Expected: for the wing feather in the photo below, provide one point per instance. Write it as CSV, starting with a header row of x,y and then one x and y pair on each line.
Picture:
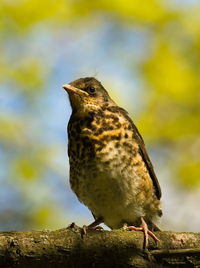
x,y
144,154
147,161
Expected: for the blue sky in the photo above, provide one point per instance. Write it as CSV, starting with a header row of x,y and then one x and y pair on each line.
x,y
66,54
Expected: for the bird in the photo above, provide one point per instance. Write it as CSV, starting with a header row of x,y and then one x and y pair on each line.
x,y
110,170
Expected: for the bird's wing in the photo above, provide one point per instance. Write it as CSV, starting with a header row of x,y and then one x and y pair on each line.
x,y
146,159
143,153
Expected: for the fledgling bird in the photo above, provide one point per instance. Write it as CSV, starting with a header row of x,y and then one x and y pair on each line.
x,y
110,170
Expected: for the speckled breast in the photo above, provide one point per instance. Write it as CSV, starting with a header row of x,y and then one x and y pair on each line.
x,y
104,159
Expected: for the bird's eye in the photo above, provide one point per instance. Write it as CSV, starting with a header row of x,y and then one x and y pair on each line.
x,y
91,90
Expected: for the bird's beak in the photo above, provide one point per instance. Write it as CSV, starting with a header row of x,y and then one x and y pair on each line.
x,y
74,90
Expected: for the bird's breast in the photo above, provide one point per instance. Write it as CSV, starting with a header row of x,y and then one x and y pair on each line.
x,y
100,133
107,172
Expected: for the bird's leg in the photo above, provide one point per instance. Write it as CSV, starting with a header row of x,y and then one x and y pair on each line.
x,y
94,225
144,228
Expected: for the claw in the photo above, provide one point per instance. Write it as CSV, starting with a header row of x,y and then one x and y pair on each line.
x,y
97,228
92,226
146,231
85,228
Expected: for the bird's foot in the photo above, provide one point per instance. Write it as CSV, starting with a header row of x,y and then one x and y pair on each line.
x,y
93,226
85,228
144,228
98,227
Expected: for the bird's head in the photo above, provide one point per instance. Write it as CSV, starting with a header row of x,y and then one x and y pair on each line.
x,y
87,94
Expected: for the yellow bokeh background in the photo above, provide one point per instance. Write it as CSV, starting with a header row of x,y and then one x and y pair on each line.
x,y
147,55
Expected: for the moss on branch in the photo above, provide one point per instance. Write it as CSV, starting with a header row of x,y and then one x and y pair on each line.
x,y
69,248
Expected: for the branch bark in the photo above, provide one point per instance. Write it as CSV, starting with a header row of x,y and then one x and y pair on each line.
x,y
69,248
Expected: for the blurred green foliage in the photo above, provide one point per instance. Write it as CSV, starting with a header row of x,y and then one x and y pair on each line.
x,y
169,72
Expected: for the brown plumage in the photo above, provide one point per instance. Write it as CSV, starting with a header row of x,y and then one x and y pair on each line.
x,y
110,170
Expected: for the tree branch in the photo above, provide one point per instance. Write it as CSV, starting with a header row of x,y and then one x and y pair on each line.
x,y
68,247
